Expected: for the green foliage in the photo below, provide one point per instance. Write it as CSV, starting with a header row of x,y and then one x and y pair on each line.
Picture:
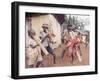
x,y
73,20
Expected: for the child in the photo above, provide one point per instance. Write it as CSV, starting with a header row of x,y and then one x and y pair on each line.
x,y
33,51
73,47
45,37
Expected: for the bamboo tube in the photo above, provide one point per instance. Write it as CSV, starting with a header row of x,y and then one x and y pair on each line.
x,y
41,46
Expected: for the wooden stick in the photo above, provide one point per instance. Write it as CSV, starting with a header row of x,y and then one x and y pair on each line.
x,y
41,46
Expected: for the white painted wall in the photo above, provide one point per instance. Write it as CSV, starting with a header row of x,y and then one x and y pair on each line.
x,y
37,23
5,40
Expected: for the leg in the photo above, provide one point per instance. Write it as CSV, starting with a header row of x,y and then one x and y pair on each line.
x,y
39,63
39,58
51,51
63,53
54,58
70,54
73,55
78,54
79,50
72,59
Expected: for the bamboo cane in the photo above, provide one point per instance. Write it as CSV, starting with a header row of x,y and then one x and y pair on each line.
x,y
41,46
78,55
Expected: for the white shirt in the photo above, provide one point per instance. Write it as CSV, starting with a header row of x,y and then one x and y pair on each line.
x,y
42,36
30,41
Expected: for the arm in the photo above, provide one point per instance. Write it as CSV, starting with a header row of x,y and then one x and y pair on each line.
x,y
44,38
33,46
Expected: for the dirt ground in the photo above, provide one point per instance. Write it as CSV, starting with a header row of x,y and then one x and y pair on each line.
x,y
48,60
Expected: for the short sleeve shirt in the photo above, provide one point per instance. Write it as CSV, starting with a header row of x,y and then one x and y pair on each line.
x,y
42,36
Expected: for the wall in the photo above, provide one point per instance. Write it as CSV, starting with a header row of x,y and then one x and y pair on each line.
x,y
5,40
37,23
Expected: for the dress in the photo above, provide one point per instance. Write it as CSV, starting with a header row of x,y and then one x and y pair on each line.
x,y
33,52
72,44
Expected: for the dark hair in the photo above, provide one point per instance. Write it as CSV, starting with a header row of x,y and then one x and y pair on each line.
x,y
30,33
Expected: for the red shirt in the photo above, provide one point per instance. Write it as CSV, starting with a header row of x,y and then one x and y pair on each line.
x,y
74,41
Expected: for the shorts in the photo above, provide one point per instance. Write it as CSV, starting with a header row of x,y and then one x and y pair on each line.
x,y
50,50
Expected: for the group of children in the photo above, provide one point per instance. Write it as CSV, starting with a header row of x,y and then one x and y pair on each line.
x,y
38,45
72,40
44,44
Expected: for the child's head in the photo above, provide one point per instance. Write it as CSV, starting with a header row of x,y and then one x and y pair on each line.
x,y
31,33
45,27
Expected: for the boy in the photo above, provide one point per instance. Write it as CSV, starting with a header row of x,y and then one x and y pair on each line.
x,y
33,51
45,37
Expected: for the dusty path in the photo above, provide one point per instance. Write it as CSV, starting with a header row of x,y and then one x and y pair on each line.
x,y
66,61
48,61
